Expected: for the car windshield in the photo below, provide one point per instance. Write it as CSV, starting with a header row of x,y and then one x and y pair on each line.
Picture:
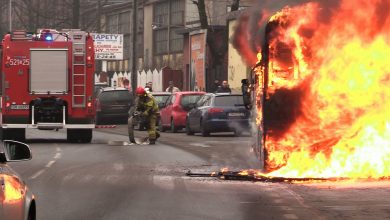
x,y
188,99
229,100
116,95
161,98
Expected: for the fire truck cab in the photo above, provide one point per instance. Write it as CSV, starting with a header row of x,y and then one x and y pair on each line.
x,y
47,83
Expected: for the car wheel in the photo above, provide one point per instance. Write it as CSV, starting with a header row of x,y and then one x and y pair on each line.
x,y
98,119
237,133
203,130
32,212
161,127
173,127
188,129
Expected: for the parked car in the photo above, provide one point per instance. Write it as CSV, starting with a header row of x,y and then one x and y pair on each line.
x,y
174,111
98,87
16,200
113,103
220,112
161,98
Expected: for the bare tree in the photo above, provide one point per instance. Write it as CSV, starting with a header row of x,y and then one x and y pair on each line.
x,y
218,51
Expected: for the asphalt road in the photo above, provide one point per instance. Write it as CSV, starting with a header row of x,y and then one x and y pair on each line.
x,y
109,180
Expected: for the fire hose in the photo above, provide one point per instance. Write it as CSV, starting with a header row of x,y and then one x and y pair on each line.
x,y
134,116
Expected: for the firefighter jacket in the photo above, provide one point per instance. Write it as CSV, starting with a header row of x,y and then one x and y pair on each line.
x,y
147,105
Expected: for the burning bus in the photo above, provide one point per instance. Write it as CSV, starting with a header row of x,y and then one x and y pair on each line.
x,y
320,91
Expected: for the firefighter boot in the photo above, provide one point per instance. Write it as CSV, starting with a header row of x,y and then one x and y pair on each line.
x,y
152,141
157,135
132,140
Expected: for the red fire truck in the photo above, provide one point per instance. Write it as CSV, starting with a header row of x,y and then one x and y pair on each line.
x,y
47,83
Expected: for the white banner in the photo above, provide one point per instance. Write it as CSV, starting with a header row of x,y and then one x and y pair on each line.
x,y
108,46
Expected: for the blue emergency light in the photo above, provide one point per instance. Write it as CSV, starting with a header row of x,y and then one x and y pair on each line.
x,y
48,37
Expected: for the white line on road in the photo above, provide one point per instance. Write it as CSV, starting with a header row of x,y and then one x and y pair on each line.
x,y
50,163
37,174
278,201
200,145
290,216
58,155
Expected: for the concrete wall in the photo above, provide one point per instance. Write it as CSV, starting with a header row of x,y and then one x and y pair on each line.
x,y
237,69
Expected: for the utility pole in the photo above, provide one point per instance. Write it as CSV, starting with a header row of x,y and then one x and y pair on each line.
x,y
134,73
10,16
76,14
99,13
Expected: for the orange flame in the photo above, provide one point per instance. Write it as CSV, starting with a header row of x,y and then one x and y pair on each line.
x,y
13,190
339,70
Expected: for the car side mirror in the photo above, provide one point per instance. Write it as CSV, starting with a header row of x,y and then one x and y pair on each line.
x,y
246,93
16,151
161,105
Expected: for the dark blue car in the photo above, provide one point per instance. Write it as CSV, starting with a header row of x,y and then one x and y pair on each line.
x,y
220,112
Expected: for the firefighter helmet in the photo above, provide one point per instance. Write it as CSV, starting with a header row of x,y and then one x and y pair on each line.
x,y
140,91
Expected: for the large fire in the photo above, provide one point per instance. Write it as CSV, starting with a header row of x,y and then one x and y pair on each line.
x,y
332,65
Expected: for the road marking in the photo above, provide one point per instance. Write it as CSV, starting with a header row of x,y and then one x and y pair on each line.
x,y
200,145
301,202
37,174
164,182
290,216
50,163
286,208
118,166
278,200
58,155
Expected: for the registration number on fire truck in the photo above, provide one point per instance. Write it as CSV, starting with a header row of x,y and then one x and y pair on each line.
x,y
19,61
17,107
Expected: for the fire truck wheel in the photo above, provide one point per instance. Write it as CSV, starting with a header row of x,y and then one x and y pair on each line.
x,y
17,134
79,135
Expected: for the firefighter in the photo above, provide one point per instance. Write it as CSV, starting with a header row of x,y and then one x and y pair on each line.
x,y
147,107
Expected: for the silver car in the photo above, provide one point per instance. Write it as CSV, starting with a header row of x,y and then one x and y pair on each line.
x,y
16,200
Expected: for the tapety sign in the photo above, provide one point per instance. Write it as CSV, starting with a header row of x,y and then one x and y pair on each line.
x,y
108,46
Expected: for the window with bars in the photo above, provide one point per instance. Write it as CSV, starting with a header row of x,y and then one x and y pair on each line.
x,y
124,23
176,42
177,12
112,24
161,41
160,12
140,45
126,46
